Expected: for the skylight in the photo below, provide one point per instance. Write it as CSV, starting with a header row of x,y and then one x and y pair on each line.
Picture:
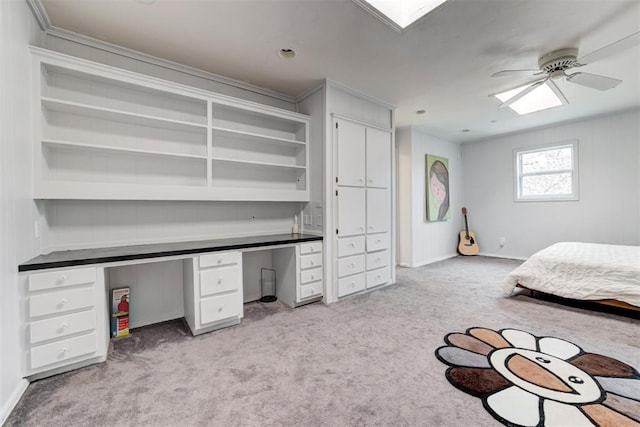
x,y
399,14
543,97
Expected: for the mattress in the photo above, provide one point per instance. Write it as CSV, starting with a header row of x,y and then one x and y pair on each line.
x,y
583,271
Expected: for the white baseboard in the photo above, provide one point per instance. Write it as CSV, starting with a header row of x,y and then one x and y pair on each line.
x,y
503,256
13,400
432,260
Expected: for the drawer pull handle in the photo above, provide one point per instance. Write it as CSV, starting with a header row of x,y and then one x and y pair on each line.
x,y
62,279
378,260
63,326
353,284
360,180
361,228
219,260
378,276
219,279
220,309
352,265
63,301
312,276
378,241
311,262
353,245
65,351
371,227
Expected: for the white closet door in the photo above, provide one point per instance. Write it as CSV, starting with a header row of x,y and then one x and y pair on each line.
x,y
351,154
351,211
378,210
378,158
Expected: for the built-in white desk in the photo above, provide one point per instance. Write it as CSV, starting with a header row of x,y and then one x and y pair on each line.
x,y
65,318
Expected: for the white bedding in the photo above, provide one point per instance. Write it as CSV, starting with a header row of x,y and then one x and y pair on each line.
x,y
586,271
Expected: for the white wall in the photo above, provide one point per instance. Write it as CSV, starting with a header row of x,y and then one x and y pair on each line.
x,y
18,212
609,207
420,241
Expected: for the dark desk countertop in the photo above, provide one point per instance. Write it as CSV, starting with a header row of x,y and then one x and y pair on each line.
x,y
128,253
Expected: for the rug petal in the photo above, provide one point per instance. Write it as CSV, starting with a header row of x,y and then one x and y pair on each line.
x,y
455,356
515,406
477,381
629,407
607,417
627,387
559,348
468,343
489,336
561,414
520,339
597,364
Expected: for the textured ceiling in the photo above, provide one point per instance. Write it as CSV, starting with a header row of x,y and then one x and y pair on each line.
x,y
441,64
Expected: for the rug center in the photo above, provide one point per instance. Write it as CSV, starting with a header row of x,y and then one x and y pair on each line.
x,y
545,375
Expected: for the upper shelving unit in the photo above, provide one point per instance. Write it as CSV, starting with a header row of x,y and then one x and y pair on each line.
x,y
107,133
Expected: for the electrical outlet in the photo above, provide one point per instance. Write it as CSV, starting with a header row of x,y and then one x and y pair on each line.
x,y
503,240
319,204
307,219
319,220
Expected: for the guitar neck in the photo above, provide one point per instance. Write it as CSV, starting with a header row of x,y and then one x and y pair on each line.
x,y
466,227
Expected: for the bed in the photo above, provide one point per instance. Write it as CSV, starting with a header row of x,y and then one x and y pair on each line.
x,y
582,271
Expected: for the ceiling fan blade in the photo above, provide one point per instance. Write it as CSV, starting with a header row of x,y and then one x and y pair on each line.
x,y
611,49
555,89
512,72
523,93
593,81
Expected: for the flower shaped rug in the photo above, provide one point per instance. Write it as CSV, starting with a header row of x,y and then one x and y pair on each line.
x,y
524,380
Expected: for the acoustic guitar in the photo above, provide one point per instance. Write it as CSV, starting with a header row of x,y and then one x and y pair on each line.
x,y
468,244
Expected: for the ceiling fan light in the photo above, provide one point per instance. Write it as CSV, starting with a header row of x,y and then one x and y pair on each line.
x,y
541,98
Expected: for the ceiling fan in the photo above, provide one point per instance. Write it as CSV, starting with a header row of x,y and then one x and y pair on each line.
x,y
554,65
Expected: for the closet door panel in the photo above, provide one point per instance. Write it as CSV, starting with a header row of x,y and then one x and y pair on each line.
x,y
351,154
351,211
378,210
378,158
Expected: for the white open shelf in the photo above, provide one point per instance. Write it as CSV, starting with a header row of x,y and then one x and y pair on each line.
x,y
106,133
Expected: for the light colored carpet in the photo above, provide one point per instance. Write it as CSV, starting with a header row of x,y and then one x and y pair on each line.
x,y
365,361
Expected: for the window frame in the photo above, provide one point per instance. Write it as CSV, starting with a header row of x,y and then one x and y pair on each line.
x,y
518,175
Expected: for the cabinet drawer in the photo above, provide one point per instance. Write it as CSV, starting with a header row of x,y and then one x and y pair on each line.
x,y
378,259
311,275
62,326
220,307
217,280
61,301
350,285
377,242
310,247
310,261
218,259
350,246
378,277
59,351
311,290
351,265
59,279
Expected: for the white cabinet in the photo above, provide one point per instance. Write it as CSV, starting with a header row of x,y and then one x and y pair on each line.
x,y
363,199
66,319
213,291
300,273
105,133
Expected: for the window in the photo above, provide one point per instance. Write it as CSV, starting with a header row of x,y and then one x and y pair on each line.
x,y
547,173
